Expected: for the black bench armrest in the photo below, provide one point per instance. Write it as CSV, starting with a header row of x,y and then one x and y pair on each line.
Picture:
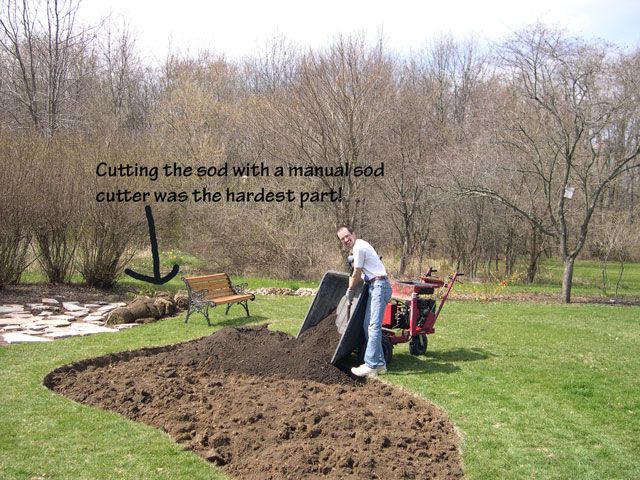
x,y
239,288
198,296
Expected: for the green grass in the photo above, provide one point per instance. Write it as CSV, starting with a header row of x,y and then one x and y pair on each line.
x,y
43,435
586,281
536,390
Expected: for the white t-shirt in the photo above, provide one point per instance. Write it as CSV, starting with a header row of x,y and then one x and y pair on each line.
x,y
366,258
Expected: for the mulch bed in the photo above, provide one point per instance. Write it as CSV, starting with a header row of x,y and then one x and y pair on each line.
x,y
263,405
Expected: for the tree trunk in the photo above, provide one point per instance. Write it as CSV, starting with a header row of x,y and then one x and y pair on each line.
x,y
534,256
567,278
403,264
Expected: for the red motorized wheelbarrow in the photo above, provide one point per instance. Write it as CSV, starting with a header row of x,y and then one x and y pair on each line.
x,y
410,316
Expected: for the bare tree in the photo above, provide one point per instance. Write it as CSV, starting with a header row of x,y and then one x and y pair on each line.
x,y
571,131
40,41
332,113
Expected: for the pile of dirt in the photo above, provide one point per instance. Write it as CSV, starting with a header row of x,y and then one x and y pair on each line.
x,y
262,405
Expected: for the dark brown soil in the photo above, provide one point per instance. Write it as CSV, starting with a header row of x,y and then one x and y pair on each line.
x,y
262,405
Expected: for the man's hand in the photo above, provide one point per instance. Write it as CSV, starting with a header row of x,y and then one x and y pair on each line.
x,y
350,295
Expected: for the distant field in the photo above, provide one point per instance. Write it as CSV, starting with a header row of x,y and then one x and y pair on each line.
x,y
586,281
587,278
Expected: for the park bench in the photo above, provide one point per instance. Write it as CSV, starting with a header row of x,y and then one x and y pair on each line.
x,y
211,290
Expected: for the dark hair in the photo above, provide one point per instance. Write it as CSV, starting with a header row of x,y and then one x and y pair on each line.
x,y
344,225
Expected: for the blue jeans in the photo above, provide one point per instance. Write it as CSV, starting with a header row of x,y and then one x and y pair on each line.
x,y
379,296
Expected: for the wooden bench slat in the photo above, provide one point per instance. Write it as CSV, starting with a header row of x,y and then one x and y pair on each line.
x,y
211,288
233,298
213,276
211,283
214,295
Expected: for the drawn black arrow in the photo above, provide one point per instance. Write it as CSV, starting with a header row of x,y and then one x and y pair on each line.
x,y
156,279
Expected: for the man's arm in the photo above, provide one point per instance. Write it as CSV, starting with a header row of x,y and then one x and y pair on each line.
x,y
355,277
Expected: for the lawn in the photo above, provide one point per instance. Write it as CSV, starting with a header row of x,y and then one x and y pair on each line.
x,y
587,278
537,391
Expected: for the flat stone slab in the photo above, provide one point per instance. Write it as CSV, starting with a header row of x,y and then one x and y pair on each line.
x,y
34,332
107,308
19,337
67,318
14,321
72,306
54,323
88,328
35,327
11,309
12,328
19,315
50,301
91,306
61,334
124,326
94,318
79,313
50,308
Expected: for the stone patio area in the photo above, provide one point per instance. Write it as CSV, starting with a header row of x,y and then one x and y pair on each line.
x,y
52,319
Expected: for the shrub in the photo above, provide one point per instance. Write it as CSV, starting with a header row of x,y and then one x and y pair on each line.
x,y
15,206
107,244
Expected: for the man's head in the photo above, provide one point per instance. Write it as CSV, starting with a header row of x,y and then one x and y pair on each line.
x,y
346,235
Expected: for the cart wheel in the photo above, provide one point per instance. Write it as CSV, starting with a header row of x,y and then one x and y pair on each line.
x,y
387,350
418,344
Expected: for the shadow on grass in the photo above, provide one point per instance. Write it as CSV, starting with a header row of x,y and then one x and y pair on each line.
x,y
437,361
460,355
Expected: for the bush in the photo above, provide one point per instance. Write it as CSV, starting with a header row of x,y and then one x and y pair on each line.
x,y
60,177
16,162
109,239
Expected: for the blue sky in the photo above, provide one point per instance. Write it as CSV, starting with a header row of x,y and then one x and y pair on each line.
x,y
242,27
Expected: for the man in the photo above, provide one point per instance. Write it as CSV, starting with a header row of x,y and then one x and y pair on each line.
x,y
368,266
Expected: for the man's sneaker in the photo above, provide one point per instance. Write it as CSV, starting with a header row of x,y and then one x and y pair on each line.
x,y
365,371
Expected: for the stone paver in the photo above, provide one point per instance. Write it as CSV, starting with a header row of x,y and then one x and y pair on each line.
x,y
5,309
51,322
52,319
125,326
13,321
72,306
19,337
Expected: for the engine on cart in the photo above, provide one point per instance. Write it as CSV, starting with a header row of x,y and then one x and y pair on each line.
x,y
411,313
401,312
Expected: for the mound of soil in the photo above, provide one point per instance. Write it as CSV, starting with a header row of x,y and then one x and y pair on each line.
x,y
263,405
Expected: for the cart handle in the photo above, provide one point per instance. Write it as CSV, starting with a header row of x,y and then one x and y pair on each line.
x,y
448,286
